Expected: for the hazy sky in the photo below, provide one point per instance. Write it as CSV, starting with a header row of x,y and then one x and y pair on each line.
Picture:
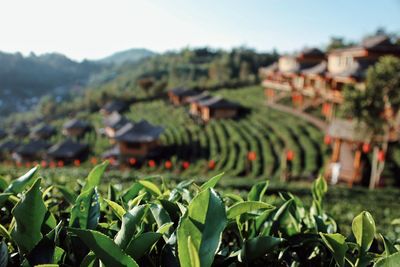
x,y
96,28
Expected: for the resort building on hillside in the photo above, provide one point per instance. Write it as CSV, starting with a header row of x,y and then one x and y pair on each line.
x,y
317,79
20,131
44,131
7,148
193,101
136,140
68,151
3,134
114,106
113,122
31,151
179,96
217,108
76,128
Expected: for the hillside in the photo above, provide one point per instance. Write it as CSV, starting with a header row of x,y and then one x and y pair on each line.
x,y
127,56
24,79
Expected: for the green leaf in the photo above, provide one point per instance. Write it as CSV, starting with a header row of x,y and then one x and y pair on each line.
x,y
3,184
29,215
363,227
389,247
104,248
4,233
194,256
94,176
165,228
88,261
116,208
257,191
132,192
68,195
211,182
336,243
18,185
151,187
130,222
85,213
257,247
204,222
3,254
246,206
390,261
140,245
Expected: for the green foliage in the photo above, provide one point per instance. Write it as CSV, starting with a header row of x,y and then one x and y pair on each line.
x,y
190,225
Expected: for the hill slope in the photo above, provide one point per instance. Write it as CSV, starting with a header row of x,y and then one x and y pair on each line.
x,y
131,55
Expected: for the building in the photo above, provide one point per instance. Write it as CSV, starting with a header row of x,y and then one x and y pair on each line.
x,y
7,148
3,134
312,78
118,106
31,151
346,163
113,122
68,151
217,108
139,140
20,131
43,131
179,96
193,101
76,128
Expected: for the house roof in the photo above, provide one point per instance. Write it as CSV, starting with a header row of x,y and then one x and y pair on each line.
x,y
67,149
311,52
3,134
43,130
376,43
33,147
112,152
115,105
20,130
139,132
8,146
319,69
75,123
270,68
199,97
357,70
218,102
184,92
115,120
349,130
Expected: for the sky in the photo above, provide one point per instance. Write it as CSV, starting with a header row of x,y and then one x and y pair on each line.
x,y
93,29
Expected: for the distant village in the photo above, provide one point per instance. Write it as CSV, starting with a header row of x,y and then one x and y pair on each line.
x,y
311,78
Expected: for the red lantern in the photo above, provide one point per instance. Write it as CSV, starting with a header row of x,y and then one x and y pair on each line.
x,y
28,164
381,156
251,156
289,155
19,164
132,161
211,164
44,164
60,163
366,147
185,164
77,162
327,140
168,164
93,160
152,163
52,164
112,161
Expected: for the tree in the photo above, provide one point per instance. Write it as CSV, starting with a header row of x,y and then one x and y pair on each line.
x,y
338,42
377,105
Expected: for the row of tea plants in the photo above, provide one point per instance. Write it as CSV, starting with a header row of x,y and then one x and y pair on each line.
x,y
150,224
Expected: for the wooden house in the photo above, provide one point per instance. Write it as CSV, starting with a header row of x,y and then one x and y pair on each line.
x,y
218,108
179,96
43,131
138,140
76,128
20,131
193,101
68,151
346,162
3,134
7,148
114,122
118,106
31,151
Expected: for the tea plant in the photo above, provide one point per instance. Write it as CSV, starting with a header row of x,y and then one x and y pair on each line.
x,y
147,224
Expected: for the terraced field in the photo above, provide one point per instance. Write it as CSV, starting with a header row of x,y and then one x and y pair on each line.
x,y
223,145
